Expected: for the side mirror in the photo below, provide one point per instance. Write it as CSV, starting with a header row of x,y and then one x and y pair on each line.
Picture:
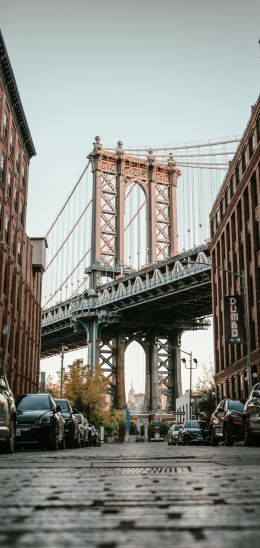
x,y
58,408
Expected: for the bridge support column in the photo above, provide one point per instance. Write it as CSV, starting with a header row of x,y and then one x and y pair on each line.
x,y
120,399
174,368
152,395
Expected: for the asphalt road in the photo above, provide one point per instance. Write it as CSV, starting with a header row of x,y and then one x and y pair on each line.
x,y
131,495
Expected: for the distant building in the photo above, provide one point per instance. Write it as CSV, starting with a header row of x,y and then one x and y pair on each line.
x,y
235,247
135,402
21,258
183,405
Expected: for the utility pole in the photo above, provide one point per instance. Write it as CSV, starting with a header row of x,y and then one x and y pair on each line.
x,y
190,367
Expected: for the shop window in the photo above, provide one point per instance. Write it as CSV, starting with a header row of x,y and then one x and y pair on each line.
x,y
21,213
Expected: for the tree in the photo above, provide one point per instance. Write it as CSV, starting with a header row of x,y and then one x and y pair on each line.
x,y
85,390
206,405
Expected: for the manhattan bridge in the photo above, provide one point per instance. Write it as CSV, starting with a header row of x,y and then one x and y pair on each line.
x,y
128,260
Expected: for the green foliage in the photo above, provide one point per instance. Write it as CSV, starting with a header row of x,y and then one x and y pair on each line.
x,y
164,427
206,405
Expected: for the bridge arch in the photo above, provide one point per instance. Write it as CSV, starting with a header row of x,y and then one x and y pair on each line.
x,y
135,368
135,225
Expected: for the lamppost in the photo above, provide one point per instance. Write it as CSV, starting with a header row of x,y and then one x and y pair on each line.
x,y
243,278
190,367
63,348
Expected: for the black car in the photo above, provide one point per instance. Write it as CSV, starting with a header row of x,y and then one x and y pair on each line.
x,y
252,417
193,432
39,422
226,423
72,431
7,415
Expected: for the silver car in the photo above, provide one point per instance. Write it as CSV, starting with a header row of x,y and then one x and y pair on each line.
x,y
252,416
83,428
172,434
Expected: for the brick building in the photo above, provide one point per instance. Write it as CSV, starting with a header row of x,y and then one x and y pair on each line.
x,y
21,258
235,246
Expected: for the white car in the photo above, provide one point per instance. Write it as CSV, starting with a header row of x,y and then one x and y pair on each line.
x,y
172,434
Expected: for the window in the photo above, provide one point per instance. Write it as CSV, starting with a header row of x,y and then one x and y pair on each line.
x,y
15,200
23,180
19,253
251,144
9,185
17,161
258,128
1,216
5,126
7,228
231,186
14,243
226,199
237,174
12,143
244,159
21,213
2,168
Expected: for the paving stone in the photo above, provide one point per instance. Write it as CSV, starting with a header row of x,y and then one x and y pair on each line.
x,y
131,495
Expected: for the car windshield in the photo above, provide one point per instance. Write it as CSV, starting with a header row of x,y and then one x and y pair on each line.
x,y
33,402
63,405
235,405
176,428
79,418
195,424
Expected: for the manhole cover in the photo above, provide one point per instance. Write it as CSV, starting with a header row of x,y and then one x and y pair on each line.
x,y
140,470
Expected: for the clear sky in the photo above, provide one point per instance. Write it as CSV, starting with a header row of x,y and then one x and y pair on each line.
x,y
145,72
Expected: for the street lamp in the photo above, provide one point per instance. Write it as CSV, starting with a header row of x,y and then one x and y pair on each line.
x,y
63,348
243,277
190,367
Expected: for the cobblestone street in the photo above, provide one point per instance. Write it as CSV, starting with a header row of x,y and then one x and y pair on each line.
x,y
131,495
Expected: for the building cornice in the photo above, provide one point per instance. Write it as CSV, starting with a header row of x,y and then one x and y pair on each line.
x,y
15,100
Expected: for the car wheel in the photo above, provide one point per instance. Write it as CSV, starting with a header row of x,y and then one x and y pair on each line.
x,y
63,444
213,440
54,445
227,439
8,447
248,438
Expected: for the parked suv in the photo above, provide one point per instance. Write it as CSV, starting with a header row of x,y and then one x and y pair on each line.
x,y
226,423
252,416
72,432
7,415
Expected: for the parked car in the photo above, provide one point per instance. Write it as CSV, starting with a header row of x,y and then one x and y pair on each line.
x,y
193,432
83,428
252,417
226,423
39,422
7,415
172,434
72,432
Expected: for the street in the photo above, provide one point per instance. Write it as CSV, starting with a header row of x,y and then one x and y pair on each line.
x,y
131,495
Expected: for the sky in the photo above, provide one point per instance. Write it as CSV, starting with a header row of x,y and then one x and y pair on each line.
x,y
144,72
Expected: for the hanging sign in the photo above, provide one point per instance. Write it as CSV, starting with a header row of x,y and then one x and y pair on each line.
x,y
234,319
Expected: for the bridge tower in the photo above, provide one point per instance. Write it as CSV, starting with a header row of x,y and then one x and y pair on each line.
x,y
113,172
